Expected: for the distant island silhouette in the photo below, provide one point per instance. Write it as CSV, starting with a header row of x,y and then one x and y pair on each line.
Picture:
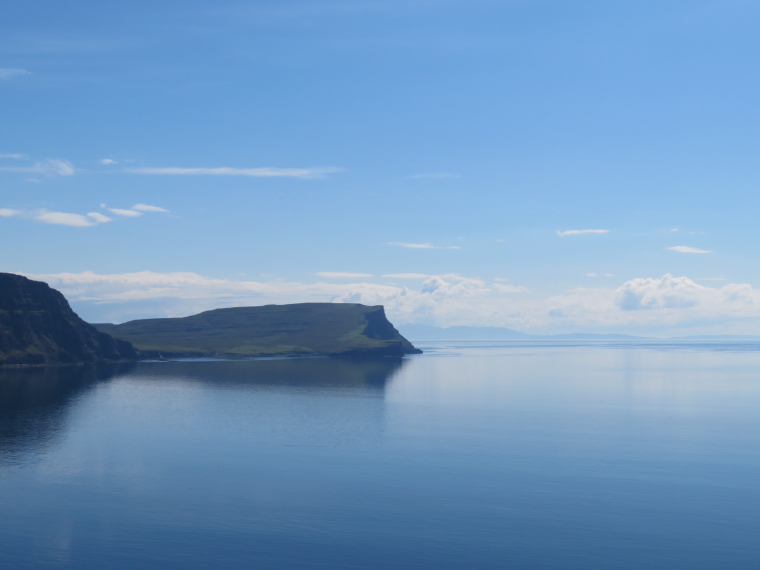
x,y
345,330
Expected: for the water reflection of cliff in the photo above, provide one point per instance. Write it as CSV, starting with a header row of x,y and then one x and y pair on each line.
x,y
314,373
273,404
35,403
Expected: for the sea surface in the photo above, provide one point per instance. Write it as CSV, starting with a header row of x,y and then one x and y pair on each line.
x,y
473,455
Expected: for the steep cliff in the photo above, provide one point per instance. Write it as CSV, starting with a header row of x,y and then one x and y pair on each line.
x,y
304,329
37,326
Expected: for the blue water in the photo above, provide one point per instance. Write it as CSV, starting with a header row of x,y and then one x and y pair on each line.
x,y
472,455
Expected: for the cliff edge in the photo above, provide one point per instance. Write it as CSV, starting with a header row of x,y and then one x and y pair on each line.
x,y
38,327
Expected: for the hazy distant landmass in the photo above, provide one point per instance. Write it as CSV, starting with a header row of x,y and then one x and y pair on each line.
x,y
38,327
427,332
593,336
725,337
303,329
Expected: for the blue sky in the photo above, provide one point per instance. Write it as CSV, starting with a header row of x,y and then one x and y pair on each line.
x,y
443,158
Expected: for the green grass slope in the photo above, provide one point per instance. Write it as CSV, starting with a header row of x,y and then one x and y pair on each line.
x,y
304,329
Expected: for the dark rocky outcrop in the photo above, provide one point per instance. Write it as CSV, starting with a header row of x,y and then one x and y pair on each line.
x,y
346,330
38,327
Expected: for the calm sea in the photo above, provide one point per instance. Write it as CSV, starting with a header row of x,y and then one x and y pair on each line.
x,y
470,456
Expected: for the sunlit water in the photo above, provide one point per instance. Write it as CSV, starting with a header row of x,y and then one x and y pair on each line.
x,y
490,455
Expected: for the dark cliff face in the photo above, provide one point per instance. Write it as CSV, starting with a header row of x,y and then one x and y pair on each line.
x,y
37,326
380,328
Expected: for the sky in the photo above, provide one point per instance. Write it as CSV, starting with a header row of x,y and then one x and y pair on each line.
x,y
550,166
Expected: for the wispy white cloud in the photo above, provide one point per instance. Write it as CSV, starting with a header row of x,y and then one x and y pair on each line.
x,y
55,167
48,167
107,161
69,219
73,219
436,175
342,275
188,289
580,232
406,275
422,245
8,72
711,279
125,213
591,275
99,218
226,171
14,156
148,208
687,249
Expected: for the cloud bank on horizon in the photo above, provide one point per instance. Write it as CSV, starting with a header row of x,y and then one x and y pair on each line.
x,y
663,304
